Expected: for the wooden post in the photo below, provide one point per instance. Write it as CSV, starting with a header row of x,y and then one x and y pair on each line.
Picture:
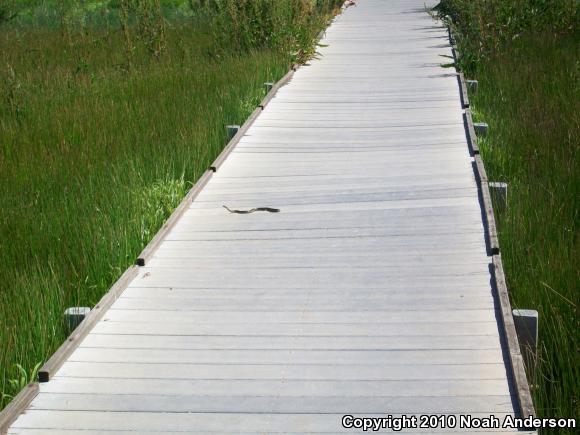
x,y
472,85
464,94
480,128
74,316
526,323
499,192
232,130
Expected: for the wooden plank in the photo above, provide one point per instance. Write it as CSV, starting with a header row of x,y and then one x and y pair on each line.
x,y
250,187
466,202
320,181
301,278
337,215
274,404
188,300
355,124
334,260
375,304
379,193
279,387
305,372
483,318
395,155
303,170
283,294
309,222
318,233
355,132
370,138
247,328
294,357
51,366
208,342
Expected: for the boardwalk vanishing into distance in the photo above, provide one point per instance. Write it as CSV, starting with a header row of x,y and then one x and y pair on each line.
x,y
370,291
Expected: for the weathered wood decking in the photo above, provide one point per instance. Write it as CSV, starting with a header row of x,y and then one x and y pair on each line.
x,y
369,293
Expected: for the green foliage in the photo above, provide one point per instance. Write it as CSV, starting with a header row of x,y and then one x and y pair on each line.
x,y
157,202
7,10
103,128
23,378
281,24
484,26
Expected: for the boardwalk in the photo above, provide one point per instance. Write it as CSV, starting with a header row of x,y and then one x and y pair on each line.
x,y
368,293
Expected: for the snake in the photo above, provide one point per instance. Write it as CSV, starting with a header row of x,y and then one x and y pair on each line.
x,y
252,210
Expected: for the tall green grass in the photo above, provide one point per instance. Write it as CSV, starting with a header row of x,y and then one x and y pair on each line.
x,y
534,116
102,131
485,27
525,56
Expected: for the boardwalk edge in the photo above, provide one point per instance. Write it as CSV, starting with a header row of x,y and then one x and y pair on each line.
x,y
17,406
516,361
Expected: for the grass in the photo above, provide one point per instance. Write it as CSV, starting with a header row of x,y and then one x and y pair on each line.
x,y
534,119
102,131
523,53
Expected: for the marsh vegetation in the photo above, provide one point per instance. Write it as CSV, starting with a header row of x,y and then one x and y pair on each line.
x,y
109,112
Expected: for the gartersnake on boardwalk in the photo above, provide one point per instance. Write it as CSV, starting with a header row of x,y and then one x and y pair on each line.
x,y
268,209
